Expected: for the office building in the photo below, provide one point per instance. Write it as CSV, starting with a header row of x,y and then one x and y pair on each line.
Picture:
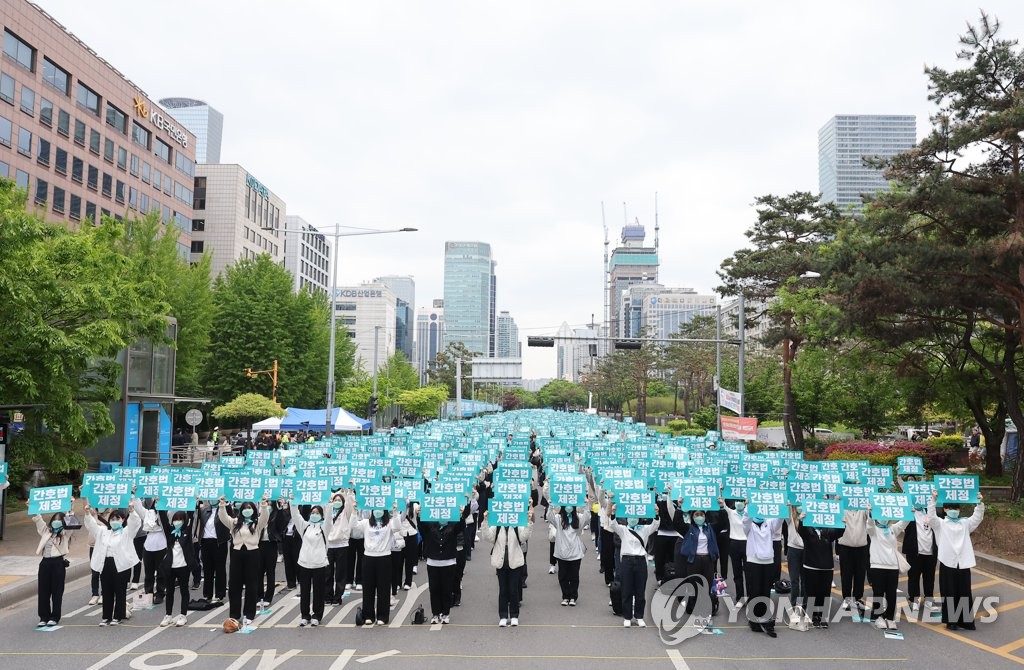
x,y
237,217
630,263
81,138
507,339
756,325
203,121
652,310
429,336
469,296
575,357
368,311
307,255
404,288
843,144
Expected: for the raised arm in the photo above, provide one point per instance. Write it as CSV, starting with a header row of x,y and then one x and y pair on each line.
x,y
134,520
979,514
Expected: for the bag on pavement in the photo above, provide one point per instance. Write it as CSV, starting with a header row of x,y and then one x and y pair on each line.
x,y
798,620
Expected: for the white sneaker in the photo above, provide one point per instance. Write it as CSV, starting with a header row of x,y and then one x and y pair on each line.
x,y
641,623
381,623
933,606
305,622
565,602
41,624
846,603
514,621
880,624
115,622
180,620
891,625
741,602
626,623
246,621
167,621
445,619
406,587
103,623
51,622
415,569
348,587
95,600
915,606
502,623
133,586
478,536
314,622
435,620
572,603
359,587
551,570
368,623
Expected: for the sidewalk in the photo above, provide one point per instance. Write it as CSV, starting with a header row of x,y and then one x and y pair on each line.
x,y
19,563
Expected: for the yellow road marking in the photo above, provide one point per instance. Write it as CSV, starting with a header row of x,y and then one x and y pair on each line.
x,y
1013,646
991,582
1011,606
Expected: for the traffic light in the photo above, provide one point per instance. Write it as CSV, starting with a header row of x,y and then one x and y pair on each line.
x,y
628,344
373,405
534,341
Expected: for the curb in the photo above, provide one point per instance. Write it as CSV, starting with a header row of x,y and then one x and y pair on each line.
x,y
28,588
1000,567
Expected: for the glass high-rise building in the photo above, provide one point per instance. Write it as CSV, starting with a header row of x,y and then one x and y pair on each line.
x,y
429,336
469,293
843,144
205,122
508,345
404,289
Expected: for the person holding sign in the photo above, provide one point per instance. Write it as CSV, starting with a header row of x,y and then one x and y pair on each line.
x,y
737,547
853,557
884,570
633,566
245,531
696,553
507,558
818,567
956,558
921,551
760,572
440,543
213,539
569,550
54,545
154,546
378,536
114,557
312,562
178,562
340,515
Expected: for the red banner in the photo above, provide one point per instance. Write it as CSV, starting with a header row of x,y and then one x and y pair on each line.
x,y
739,428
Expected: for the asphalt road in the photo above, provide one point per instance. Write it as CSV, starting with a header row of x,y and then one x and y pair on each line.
x,y
550,636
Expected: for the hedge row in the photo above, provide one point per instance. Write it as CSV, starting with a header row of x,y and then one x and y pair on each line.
x,y
936,457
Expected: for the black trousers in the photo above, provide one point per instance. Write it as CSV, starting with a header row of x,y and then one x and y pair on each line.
x,y
469,540
51,577
215,558
853,567
245,573
702,565
140,550
397,563
633,577
608,556
179,577
777,552
738,556
817,590
510,592
957,599
724,544
664,546
922,572
883,586
441,580
153,576
569,578
356,556
377,588
334,579
114,585
95,581
760,608
267,581
411,554
197,567
460,570
292,545
551,554
311,583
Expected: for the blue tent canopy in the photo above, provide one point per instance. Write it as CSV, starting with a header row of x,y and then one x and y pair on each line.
x,y
313,419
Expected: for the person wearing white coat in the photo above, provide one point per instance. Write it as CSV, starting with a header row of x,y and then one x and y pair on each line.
x,y
507,559
569,550
956,558
114,557
378,534
312,563
884,570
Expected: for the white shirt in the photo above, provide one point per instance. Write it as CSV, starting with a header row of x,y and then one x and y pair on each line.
x,y
925,536
702,544
884,546
759,540
736,531
630,545
210,529
795,541
177,556
954,537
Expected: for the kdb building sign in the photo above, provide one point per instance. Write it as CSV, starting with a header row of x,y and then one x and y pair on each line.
x,y
160,121
255,185
359,293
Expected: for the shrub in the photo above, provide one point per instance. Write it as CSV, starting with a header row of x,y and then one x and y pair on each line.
x,y
678,425
946,442
936,458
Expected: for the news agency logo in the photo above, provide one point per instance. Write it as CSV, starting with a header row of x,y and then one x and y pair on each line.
x,y
681,609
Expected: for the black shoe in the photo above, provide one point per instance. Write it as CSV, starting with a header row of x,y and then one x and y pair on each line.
x,y
457,604
952,626
968,626
158,599
524,584
756,627
714,608
195,585
771,631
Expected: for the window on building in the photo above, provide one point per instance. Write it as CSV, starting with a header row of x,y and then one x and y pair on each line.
x,y
168,185
42,191
198,225
94,141
75,211
117,119
88,99
146,169
79,132
184,164
197,246
119,191
28,100
133,197
5,170
133,165
143,203
58,200
162,149
43,151
140,135
60,161
94,177
108,185
24,142
108,150
19,51
7,88
56,76
157,178
199,197
122,158
77,169
46,112
6,131
90,211
21,179
155,206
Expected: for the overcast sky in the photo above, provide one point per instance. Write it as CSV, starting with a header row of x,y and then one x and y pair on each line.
x,y
510,122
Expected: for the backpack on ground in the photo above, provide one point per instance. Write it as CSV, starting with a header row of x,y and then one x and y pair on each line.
x,y
615,595
418,617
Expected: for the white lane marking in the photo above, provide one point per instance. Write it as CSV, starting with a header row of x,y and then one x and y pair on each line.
x,y
142,662
342,660
294,623
377,657
410,601
677,659
347,609
243,659
125,649
209,617
281,610
436,627
79,610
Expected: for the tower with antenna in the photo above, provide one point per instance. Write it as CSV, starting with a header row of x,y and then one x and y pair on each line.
x,y
632,262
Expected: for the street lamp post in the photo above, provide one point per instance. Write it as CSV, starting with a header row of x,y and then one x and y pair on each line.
x,y
337,235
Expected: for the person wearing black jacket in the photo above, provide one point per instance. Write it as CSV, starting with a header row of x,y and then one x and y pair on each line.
x,y
177,563
696,553
818,568
291,543
270,541
440,542
212,536
665,543
720,522
922,554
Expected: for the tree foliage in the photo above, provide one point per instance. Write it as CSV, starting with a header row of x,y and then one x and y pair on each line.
x,y
561,393
248,407
442,367
423,402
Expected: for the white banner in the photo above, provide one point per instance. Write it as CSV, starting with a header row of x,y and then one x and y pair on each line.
x,y
730,400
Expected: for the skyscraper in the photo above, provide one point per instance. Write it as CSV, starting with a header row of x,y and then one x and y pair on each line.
x,y
843,144
469,292
205,122
429,336
404,289
507,338
630,263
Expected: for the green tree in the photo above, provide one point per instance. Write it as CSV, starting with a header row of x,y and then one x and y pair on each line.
x,y
442,367
247,408
396,376
423,402
559,393
355,394
691,365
